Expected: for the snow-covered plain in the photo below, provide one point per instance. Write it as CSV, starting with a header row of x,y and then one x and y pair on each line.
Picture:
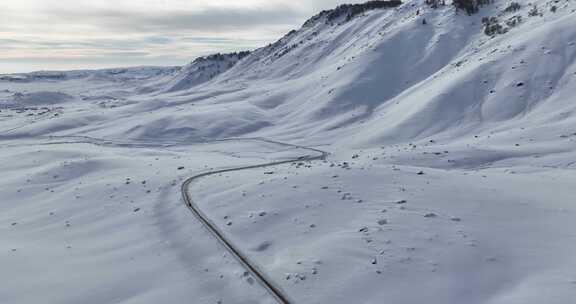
x,y
450,180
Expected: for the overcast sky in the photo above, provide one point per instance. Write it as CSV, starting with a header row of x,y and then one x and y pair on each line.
x,y
72,34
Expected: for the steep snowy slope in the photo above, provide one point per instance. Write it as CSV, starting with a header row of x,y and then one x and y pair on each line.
x,y
450,178
521,79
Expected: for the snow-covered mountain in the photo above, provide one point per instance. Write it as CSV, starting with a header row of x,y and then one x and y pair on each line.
x,y
381,73
201,70
452,136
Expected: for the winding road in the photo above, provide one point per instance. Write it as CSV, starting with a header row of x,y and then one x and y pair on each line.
x,y
260,276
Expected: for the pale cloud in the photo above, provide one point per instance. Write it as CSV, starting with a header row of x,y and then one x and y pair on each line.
x,y
63,34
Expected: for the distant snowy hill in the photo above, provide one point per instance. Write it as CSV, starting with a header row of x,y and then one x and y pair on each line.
x,y
201,70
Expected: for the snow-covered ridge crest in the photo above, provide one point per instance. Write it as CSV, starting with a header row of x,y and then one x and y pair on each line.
x,y
222,57
203,69
346,12
207,68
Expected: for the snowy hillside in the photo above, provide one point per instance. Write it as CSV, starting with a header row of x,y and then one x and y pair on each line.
x,y
452,141
201,70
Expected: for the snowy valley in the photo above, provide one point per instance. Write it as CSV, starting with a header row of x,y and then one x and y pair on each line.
x,y
449,175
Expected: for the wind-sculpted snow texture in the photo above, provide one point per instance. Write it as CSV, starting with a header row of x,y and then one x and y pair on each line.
x,y
450,179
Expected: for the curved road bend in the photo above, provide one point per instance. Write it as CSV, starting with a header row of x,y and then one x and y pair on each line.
x,y
273,289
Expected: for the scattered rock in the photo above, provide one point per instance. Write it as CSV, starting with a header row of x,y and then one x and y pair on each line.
x,y
263,246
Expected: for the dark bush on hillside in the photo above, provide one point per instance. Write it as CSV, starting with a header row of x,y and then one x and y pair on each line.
x,y
554,8
435,3
470,6
534,11
514,21
513,7
222,57
492,26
